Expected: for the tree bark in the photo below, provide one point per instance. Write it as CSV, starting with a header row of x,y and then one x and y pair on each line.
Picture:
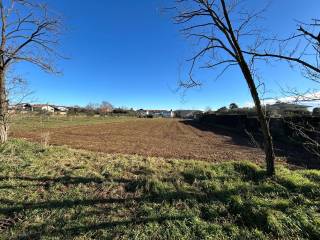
x,y
3,93
268,143
3,133
3,110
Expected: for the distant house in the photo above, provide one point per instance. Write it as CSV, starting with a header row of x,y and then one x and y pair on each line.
x,y
188,114
21,107
141,113
155,113
160,113
27,107
168,114
61,110
285,109
43,108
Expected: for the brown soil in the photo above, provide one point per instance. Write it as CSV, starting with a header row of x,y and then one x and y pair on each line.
x,y
149,137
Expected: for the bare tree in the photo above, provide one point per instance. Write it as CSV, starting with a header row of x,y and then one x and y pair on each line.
x,y
105,107
233,106
219,26
91,109
301,49
29,33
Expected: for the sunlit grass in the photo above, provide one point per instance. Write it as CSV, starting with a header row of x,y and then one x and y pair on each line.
x,y
33,122
55,192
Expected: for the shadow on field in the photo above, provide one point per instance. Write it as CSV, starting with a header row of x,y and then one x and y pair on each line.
x,y
294,155
236,137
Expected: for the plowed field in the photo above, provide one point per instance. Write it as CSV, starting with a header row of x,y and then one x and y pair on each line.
x,y
147,137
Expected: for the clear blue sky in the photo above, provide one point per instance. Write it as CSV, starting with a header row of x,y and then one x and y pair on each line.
x,y
128,53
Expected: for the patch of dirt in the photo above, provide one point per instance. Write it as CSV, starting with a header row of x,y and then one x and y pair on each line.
x,y
9,221
168,138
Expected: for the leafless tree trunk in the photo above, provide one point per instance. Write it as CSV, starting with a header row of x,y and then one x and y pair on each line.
x,y
3,97
268,143
28,34
210,22
3,109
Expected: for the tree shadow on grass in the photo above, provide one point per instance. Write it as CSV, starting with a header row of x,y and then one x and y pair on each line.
x,y
46,182
63,180
236,199
70,232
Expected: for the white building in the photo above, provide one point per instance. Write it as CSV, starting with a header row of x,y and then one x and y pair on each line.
x,y
43,107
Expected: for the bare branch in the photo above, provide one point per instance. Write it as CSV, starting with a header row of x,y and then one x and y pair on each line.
x,y
29,33
210,23
283,57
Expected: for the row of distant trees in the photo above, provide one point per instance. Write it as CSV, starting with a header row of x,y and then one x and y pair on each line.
x,y
103,109
235,109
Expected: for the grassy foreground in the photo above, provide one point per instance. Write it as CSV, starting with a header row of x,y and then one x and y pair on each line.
x,y
58,193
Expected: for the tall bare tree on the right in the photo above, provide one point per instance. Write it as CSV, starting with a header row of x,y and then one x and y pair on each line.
x,y
220,27
301,49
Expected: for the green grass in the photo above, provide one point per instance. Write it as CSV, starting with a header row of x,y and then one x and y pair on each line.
x,y
33,122
59,193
